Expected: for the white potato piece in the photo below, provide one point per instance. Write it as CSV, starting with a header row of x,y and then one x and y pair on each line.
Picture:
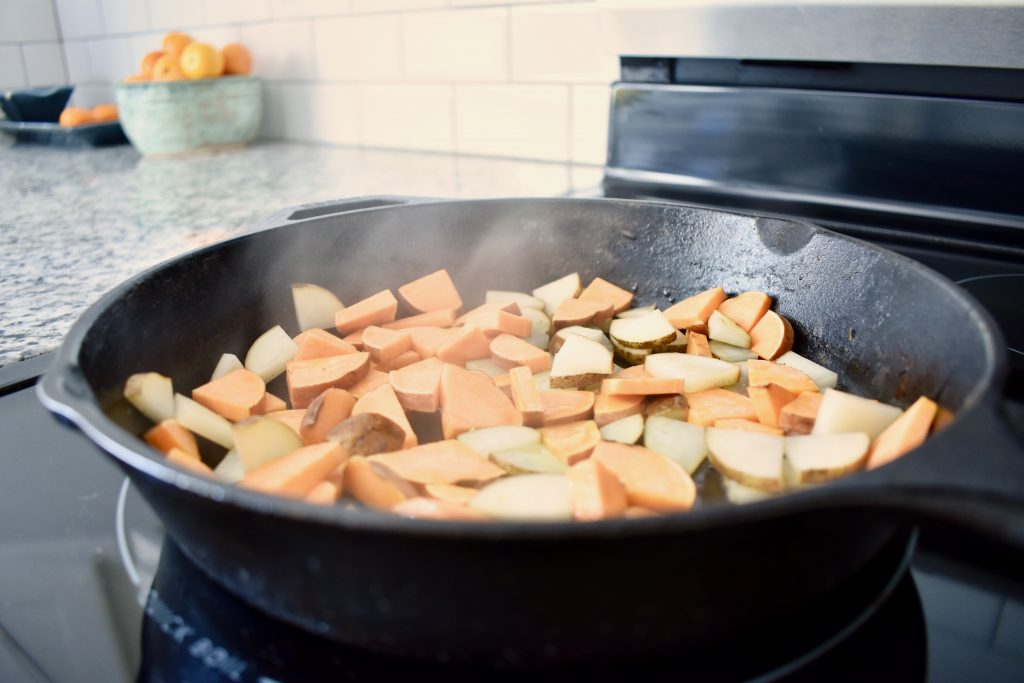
x,y
679,441
203,421
740,494
536,459
152,394
730,353
631,356
538,339
822,376
740,387
270,352
528,497
627,430
228,363
676,345
724,329
554,293
580,363
522,299
261,439
491,439
229,470
539,319
646,331
841,412
697,372
542,380
751,458
636,312
591,333
486,366
314,306
812,459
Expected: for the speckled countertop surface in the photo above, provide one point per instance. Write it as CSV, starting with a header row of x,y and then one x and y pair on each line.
x,y
75,223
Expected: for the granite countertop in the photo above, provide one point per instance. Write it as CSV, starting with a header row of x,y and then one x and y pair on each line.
x,y
75,223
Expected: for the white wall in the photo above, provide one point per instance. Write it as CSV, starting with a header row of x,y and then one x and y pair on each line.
x,y
30,52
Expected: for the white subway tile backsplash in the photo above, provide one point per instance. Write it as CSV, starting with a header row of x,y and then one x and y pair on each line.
x,y
291,9
364,48
503,178
12,71
394,5
590,123
336,113
24,20
91,95
281,49
407,116
467,45
528,121
124,16
218,36
79,61
44,64
233,11
171,15
324,112
80,18
562,44
111,59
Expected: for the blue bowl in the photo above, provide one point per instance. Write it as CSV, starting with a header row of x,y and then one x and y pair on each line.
x,y
35,104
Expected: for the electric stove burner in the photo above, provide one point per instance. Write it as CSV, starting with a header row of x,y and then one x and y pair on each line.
x,y
1002,295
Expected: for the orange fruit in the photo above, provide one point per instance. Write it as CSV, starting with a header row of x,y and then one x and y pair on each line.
x,y
167,69
136,78
175,43
237,59
105,112
76,116
146,69
201,60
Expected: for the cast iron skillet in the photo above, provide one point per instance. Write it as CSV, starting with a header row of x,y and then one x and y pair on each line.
x,y
539,593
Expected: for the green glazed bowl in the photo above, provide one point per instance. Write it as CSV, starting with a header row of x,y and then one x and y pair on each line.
x,y
176,117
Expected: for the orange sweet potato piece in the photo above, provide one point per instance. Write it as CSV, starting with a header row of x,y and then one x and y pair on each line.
x,y
525,396
943,418
374,485
566,405
452,493
440,462
799,414
385,345
426,340
697,343
355,338
769,401
432,508
418,385
772,336
467,343
431,293
509,351
470,401
747,426
579,312
317,343
611,407
632,372
407,358
289,418
384,402
503,382
324,493
642,386
651,480
296,473
234,395
696,309
375,310
602,291
269,404
507,306
706,407
675,407
746,309
325,412
374,378
595,491
444,317
188,461
761,373
170,434
906,433
307,379
493,323
573,441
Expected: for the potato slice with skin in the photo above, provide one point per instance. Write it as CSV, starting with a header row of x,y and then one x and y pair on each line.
x,y
152,394
170,434
636,312
378,309
307,379
595,491
522,299
432,508
229,470
235,395
203,421
492,439
470,401
531,459
746,309
326,412
603,291
642,332
573,441
259,440
697,372
741,494
632,357
651,480
591,333
575,313
296,473
431,293
842,412
367,434
627,430
315,306
269,354
822,376
761,373
580,363
816,459
799,414
227,363
566,405
906,433
528,498
609,408
678,441
440,462
724,329
374,485
695,310
539,320
750,458
772,336
730,353
554,293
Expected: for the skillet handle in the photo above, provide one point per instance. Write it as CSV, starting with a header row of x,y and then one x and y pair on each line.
x,y
294,214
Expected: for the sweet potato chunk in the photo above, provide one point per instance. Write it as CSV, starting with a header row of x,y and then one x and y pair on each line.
x,y
383,401
697,344
525,396
232,396
696,309
324,493
566,405
503,382
418,385
509,351
612,407
440,462
170,434
375,310
595,490
769,401
374,485
407,358
324,413
747,426
431,293
573,441
269,404
643,386
470,401
905,434
467,343
296,473
493,323
374,378
651,480
579,312
761,373
674,407
317,343
289,418
188,461
602,291
746,309
772,336
444,317
426,340
452,493
307,379
706,407
799,414
385,345
432,508
507,306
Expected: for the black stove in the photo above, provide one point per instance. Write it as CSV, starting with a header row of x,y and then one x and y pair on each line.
x,y
92,590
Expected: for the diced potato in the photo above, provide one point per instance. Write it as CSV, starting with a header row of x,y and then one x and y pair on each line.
x,y
503,438
270,352
203,421
819,458
636,312
730,353
554,293
750,458
841,412
522,299
259,440
591,333
152,394
822,376
228,363
680,441
229,470
540,321
535,458
697,372
529,497
642,332
726,330
627,430
314,306
580,363
740,494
